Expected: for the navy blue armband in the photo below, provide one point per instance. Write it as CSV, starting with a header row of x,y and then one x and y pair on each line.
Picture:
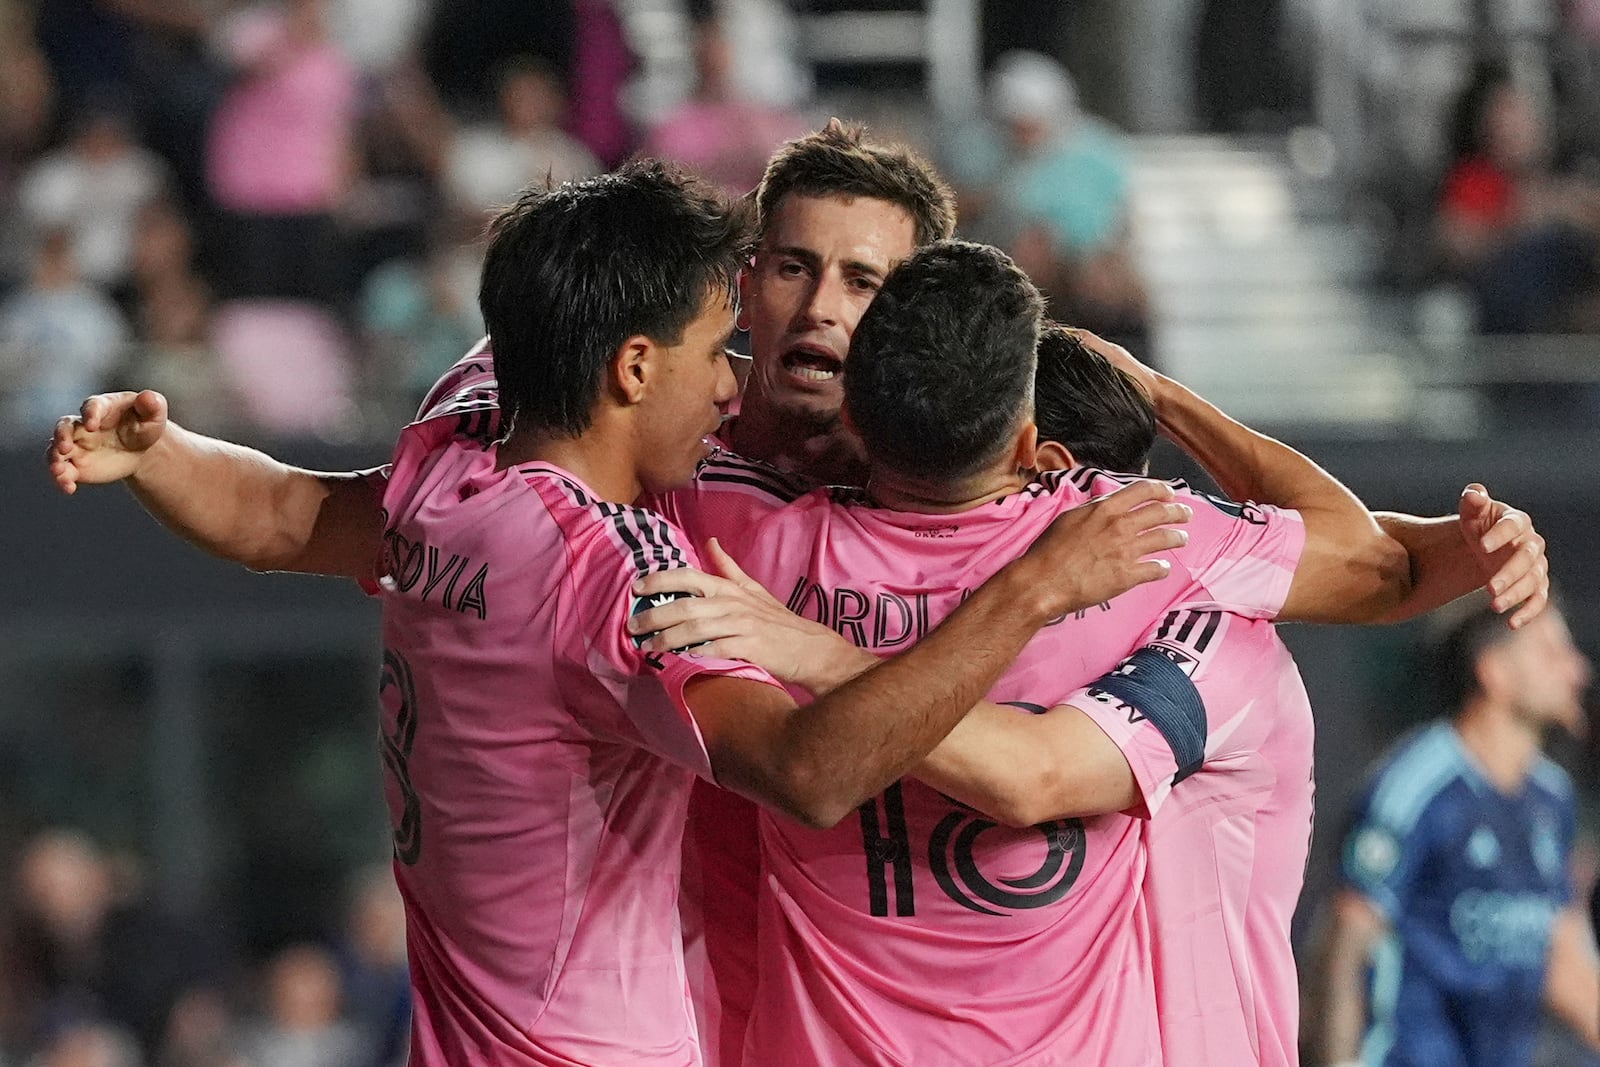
x,y
1160,690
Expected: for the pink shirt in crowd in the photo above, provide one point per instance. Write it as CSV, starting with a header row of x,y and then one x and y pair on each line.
x,y
538,762
279,141
922,932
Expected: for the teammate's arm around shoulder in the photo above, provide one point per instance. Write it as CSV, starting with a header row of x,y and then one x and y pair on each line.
x,y
819,762
231,501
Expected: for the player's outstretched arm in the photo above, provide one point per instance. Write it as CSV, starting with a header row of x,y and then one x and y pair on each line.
x,y
1487,544
818,763
1350,569
231,501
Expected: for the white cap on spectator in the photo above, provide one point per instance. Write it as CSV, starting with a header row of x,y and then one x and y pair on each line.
x,y
1026,86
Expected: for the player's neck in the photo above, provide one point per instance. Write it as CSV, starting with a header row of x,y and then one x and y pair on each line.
x,y
899,492
1504,746
598,459
822,450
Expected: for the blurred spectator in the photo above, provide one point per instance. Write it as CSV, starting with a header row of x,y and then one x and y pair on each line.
x,y
1051,186
83,944
291,364
718,132
26,95
302,1026
396,198
603,64
419,318
1523,237
200,1033
279,154
59,340
94,187
373,957
89,1044
489,164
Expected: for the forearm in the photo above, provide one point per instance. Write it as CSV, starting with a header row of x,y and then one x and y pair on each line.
x,y
1443,566
245,506
1572,984
1021,768
858,739
1350,570
1341,1020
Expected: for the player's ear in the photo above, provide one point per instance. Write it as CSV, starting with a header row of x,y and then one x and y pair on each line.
x,y
1024,450
1053,456
632,369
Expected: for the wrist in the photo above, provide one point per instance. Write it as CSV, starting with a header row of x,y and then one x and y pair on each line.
x,y
1027,592
147,463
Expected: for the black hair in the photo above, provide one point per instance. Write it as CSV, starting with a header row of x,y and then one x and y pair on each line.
x,y
1470,628
941,364
1084,402
838,161
573,272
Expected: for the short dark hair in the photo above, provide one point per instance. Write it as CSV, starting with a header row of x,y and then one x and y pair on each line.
x,y
572,272
1465,631
941,363
838,161
1093,408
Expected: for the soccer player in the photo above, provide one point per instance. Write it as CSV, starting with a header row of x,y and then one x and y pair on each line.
x,y
1227,851
538,759
1455,926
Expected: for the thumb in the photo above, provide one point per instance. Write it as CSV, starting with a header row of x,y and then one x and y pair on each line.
x,y
1475,505
150,406
722,564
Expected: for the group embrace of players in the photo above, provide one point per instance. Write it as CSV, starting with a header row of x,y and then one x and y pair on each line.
x,y
895,719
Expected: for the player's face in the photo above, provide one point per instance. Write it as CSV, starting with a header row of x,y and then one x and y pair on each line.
x,y
820,263
690,388
1550,673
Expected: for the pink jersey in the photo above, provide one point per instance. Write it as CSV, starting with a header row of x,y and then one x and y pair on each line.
x,y
539,763
1227,855
921,932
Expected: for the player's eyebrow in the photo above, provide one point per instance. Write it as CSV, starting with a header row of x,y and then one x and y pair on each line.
x,y
813,260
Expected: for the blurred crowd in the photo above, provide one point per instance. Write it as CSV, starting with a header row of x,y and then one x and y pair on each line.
x,y
270,211
97,974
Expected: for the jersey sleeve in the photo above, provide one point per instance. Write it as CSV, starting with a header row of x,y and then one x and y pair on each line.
x,y
1185,698
466,398
649,686
1243,555
1388,840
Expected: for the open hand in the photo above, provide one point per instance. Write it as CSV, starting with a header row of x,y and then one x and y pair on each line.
x,y
1103,548
107,440
1510,552
729,615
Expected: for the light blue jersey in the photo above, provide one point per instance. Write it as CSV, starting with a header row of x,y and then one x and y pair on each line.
x,y
1471,880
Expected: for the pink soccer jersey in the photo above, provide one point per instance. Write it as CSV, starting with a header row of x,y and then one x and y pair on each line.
x,y
539,764
1227,851
922,932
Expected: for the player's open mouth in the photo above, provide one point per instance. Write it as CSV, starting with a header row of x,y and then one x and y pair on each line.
x,y
811,363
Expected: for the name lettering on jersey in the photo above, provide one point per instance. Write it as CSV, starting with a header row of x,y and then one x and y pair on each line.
x,y
892,618
396,691
439,571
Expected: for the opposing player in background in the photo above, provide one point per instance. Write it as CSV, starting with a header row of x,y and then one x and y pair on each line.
x,y
1455,927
